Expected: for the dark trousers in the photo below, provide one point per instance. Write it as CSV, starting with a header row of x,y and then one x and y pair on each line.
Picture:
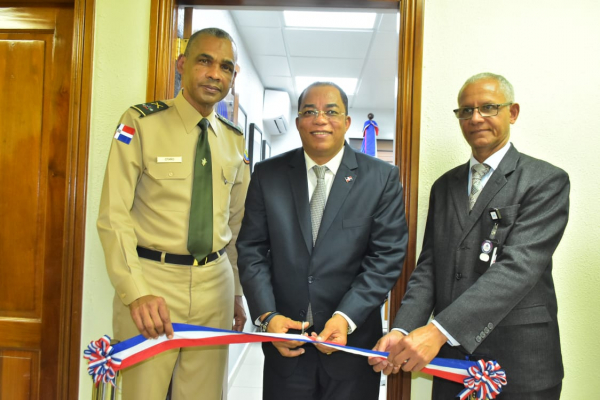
x,y
448,390
310,381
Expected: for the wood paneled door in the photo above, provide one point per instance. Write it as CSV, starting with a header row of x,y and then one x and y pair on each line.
x,y
39,111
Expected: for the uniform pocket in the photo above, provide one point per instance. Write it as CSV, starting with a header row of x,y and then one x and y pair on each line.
x,y
228,175
161,171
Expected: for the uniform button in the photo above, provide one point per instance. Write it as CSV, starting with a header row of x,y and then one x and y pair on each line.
x,y
458,276
302,313
491,326
482,334
311,279
478,339
486,330
170,174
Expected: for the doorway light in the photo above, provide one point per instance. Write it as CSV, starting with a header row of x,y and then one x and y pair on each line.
x,y
312,19
348,85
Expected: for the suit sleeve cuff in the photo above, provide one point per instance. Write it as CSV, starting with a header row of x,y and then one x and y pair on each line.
x,y
451,341
402,331
351,324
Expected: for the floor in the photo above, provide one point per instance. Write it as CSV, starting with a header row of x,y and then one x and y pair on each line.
x,y
247,384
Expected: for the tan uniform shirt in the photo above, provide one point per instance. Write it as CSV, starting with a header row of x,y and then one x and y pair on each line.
x,y
147,191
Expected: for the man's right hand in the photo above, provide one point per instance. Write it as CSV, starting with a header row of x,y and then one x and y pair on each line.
x,y
151,316
281,324
386,344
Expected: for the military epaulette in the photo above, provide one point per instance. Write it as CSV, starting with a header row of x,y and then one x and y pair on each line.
x,y
146,109
236,128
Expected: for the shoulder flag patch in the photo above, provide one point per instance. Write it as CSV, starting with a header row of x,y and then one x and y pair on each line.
x,y
227,122
124,133
146,109
246,158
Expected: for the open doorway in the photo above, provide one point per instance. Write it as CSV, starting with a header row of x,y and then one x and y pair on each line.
x,y
407,110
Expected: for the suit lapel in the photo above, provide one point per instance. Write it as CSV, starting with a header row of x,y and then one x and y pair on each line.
x,y
299,185
344,180
491,188
459,195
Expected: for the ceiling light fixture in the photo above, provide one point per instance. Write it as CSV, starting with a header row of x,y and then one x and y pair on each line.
x,y
346,20
348,85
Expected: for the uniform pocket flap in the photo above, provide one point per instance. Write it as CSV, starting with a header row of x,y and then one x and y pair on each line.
x,y
353,222
169,170
528,315
229,174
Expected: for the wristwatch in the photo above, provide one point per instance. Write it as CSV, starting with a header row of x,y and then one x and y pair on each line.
x,y
265,323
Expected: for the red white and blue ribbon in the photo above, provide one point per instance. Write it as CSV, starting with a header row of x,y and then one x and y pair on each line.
x,y
485,379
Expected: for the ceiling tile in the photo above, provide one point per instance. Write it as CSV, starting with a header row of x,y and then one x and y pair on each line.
x,y
375,93
385,46
263,41
279,83
258,18
272,65
389,22
326,67
380,69
327,43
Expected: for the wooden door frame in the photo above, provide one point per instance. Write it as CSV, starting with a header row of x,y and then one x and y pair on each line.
x,y
79,126
69,314
163,24
74,242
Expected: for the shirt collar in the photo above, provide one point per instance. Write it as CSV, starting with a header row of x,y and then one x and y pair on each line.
x,y
190,116
333,165
494,160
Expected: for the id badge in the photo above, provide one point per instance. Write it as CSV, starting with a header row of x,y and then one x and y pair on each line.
x,y
487,255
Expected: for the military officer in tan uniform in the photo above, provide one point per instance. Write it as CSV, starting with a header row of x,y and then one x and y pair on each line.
x,y
145,215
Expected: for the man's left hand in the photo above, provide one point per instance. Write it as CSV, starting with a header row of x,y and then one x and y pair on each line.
x,y
239,314
336,331
415,350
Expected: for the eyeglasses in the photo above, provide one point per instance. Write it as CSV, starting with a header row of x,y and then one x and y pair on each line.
x,y
487,110
314,114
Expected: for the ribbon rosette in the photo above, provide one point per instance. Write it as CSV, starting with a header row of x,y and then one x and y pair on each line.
x,y
101,366
486,379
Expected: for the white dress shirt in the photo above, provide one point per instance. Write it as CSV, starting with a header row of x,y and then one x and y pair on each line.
x,y
332,167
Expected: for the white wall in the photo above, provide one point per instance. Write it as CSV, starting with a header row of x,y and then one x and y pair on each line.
x,y
119,80
549,51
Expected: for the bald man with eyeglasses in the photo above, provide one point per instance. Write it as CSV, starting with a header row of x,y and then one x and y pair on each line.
x,y
485,270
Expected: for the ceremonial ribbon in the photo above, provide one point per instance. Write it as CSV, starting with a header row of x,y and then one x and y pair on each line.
x,y
104,360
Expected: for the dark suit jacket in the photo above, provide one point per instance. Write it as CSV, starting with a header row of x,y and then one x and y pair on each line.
x,y
506,311
356,260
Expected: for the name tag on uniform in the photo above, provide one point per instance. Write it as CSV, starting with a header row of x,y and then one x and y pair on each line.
x,y
168,159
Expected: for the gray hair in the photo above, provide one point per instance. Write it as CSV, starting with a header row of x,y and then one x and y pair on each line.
x,y
215,32
505,86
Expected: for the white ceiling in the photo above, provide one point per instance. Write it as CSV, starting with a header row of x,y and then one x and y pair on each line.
x,y
281,53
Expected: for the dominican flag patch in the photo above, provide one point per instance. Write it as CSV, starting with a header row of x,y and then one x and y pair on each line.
x,y
124,133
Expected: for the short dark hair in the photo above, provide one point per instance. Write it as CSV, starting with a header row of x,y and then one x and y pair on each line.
x,y
215,32
342,93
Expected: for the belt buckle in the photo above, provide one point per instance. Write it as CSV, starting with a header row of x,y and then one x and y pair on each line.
x,y
195,262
